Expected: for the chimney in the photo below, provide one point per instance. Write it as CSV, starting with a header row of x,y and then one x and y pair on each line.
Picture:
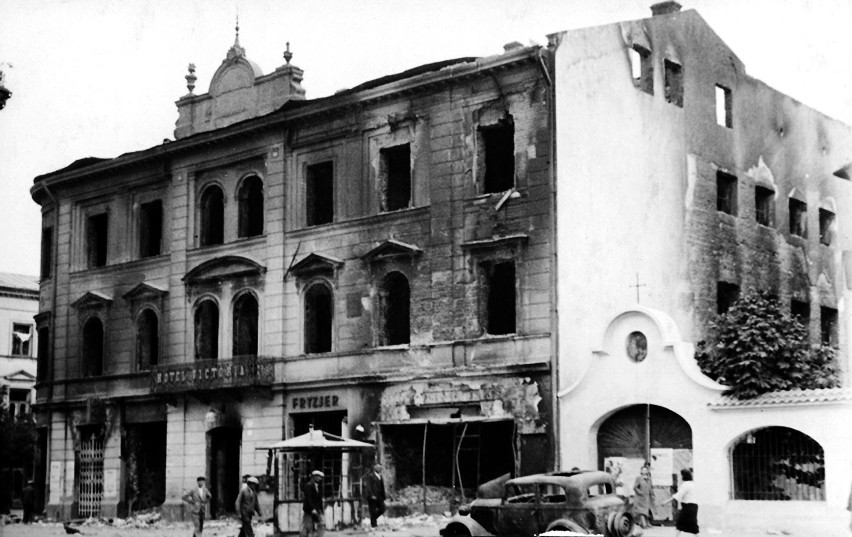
x,y
665,8
513,46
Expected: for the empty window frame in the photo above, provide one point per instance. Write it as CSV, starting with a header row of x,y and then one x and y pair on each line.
x,y
250,208
801,310
212,216
245,325
147,340
93,348
826,226
673,83
318,319
207,330
500,297
97,232
395,175
726,193
642,66
498,155
764,206
724,107
828,325
21,339
151,228
395,308
46,253
798,218
43,352
726,294
319,193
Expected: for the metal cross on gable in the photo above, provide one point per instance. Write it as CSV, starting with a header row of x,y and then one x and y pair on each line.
x,y
637,286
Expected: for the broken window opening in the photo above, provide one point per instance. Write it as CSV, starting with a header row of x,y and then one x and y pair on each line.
x,y
245,325
46,253
318,318
144,452
726,193
724,107
798,218
764,206
726,295
500,290
319,194
674,83
395,305
251,208
826,226
828,325
21,338
93,348
147,340
396,177
97,227
43,351
642,67
801,310
212,216
499,148
150,228
207,330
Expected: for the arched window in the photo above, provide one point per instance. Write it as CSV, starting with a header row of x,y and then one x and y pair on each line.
x,y
147,340
778,463
207,330
212,216
93,348
318,317
395,307
251,208
245,325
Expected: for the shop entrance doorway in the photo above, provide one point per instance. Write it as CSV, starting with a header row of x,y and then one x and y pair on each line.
x,y
223,468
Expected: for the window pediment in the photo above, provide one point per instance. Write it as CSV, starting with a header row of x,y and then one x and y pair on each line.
x,y
390,249
91,300
315,263
224,268
505,241
145,291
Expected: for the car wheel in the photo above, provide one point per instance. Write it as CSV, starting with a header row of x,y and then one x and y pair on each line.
x,y
456,530
620,524
567,525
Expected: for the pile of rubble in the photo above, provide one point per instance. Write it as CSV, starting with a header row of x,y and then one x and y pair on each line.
x,y
404,522
413,495
141,520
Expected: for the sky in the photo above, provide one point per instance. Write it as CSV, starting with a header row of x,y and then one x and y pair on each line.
x,y
100,78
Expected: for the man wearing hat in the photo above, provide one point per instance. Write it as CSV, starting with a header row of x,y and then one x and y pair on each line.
x,y
198,499
374,491
312,506
247,505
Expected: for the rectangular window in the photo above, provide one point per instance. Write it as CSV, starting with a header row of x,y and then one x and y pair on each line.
x,y
499,158
500,304
97,227
150,228
674,83
46,252
764,206
726,193
319,193
726,295
43,352
724,107
828,325
643,69
396,177
801,310
826,226
21,338
798,218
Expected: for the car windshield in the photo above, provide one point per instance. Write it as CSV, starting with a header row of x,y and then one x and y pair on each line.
x,y
520,493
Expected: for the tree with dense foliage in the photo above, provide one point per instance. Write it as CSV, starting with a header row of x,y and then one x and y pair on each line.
x,y
17,446
757,347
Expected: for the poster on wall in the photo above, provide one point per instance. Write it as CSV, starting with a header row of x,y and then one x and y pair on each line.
x,y
662,466
55,481
110,483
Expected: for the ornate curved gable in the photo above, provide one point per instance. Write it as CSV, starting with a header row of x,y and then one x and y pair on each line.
x,y
390,249
224,268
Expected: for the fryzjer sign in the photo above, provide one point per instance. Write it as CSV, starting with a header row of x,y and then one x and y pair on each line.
x,y
212,374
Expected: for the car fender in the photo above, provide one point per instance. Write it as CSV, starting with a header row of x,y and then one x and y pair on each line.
x,y
566,524
455,523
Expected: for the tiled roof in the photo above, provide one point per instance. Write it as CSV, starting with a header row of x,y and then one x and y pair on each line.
x,y
790,397
18,281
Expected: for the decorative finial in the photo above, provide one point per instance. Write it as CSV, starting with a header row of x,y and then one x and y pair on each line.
x,y
287,54
237,28
191,78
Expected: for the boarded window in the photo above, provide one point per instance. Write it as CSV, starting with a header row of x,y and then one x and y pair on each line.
x,y
319,194
93,348
396,177
150,228
798,218
499,155
207,331
43,354
826,226
251,208
22,335
674,83
97,228
318,317
46,253
642,67
395,305
147,340
726,193
212,216
500,292
828,325
245,325
724,107
726,295
764,206
801,310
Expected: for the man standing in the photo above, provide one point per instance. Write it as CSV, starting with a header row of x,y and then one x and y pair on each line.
x,y
312,506
28,501
374,491
247,506
198,498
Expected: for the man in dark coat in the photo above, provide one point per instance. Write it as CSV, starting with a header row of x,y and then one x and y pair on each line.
x,y
312,506
28,501
374,492
247,506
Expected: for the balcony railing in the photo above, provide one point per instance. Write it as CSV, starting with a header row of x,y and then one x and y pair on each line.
x,y
237,372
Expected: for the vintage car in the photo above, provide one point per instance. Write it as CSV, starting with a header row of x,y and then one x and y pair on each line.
x,y
580,502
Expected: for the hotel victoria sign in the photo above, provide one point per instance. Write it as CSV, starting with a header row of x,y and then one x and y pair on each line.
x,y
212,374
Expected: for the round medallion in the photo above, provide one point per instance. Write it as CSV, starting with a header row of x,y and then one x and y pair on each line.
x,y
637,346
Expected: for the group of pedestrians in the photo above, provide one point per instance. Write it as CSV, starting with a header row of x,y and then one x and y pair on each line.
x,y
643,501
246,505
